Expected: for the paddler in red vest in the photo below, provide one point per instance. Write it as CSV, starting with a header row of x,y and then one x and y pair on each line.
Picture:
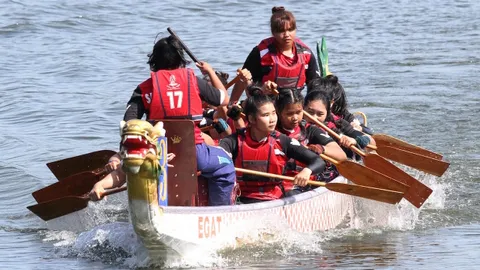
x,y
318,104
289,105
174,92
260,147
281,61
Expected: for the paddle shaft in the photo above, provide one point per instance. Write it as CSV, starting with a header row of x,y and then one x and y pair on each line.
x,y
114,190
232,82
377,194
185,48
278,176
332,133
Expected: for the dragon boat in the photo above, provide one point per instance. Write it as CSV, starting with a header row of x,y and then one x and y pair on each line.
x,y
168,205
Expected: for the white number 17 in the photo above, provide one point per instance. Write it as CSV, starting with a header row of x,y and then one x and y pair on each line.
x,y
171,95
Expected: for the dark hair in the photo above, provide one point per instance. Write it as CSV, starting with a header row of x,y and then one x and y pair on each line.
x,y
167,53
280,18
334,91
221,75
255,100
322,96
291,96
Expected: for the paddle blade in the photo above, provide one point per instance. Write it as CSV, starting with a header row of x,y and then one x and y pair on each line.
x,y
364,176
385,140
377,194
75,185
86,162
419,162
58,207
416,194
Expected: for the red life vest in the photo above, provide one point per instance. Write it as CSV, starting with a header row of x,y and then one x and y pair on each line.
x,y
285,76
331,124
175,95
263,156
299,133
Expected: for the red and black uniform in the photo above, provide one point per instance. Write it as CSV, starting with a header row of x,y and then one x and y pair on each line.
x,y
307,134
269,155
266,63
172,94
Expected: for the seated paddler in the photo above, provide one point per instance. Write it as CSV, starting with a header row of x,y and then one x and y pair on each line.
x,y
260,147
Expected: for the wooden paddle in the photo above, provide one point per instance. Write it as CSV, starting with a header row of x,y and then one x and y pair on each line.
x,y
418,192
423,163
86,162
232,82
65,205
74,185
387,140
195,59
377,194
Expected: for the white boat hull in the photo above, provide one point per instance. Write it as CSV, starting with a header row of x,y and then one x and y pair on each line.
x,y
184,229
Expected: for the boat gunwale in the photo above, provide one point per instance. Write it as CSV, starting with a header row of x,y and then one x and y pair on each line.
x,y
311,194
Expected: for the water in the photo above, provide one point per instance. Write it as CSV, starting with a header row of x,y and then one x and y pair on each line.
x,y
69,67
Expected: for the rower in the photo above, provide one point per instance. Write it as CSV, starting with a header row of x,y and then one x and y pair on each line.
x,y
317,103
260,147
281,60
289,106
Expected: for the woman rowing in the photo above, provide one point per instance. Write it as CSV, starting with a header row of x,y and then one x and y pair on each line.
x,y
281,61
338,97
260,147
174,92
318,104
289,106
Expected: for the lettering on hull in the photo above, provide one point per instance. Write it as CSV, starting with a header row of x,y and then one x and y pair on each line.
x,y
209,226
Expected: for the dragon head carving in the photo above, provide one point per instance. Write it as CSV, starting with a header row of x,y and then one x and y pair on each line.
x,y
139,146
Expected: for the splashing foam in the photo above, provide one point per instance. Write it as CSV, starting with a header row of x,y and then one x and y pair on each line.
x,y
372,217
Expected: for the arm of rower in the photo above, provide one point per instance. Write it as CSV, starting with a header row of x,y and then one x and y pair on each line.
x,y
135,108
293,149
219,85
333,150
230,144
252,63
216,83
114,179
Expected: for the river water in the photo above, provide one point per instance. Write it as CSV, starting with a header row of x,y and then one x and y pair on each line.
x,y
69,67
